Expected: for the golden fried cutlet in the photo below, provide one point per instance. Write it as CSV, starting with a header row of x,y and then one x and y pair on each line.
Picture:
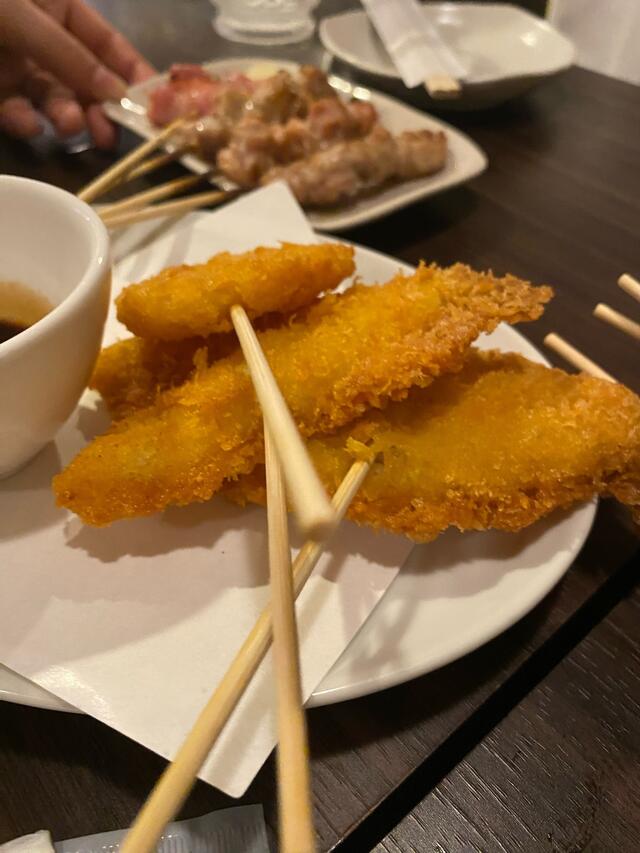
x,y
130,373
498,445
191,301
347,353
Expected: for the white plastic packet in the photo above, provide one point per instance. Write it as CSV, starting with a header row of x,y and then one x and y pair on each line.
x,y
237,830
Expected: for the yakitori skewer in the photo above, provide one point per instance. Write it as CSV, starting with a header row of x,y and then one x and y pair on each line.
x,y
169,208
151,164
114,173
177,780
146,197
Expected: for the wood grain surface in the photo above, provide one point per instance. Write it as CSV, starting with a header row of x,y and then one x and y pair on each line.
x,y
561,772
559,203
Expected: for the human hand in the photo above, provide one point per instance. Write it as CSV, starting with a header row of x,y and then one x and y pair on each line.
x,y
61,58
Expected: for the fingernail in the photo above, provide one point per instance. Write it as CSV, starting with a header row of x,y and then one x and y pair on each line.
x,y
106,86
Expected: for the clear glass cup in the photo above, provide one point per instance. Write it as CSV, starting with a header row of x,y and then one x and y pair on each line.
x,y
264,21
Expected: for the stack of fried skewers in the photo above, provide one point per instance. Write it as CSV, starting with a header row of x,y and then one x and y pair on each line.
x,y
432,455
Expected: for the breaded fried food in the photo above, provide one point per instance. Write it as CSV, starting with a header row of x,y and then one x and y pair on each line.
x,y
195,301
347,353
132,372
499,445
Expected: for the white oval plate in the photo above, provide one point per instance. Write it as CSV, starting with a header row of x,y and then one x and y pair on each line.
x,y
506,50
464,160
451,596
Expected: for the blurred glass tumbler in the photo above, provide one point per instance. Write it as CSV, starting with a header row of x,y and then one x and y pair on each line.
x,y
264,21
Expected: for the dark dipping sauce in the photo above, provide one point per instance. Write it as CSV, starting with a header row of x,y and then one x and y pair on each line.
x,y
20,308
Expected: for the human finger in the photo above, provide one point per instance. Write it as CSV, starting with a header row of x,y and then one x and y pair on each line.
x,y
101,129
54,100
18,118
110,46
28,30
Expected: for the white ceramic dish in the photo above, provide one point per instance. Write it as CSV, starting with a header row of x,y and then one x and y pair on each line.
x,y
450,597
506,50
465,160
58,247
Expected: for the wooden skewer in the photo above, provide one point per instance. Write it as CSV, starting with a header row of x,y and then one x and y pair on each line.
x,y
630,285
442,87
169,208
107,179
308,497
173,786
157,162
154,194
294,782
615,318
575,357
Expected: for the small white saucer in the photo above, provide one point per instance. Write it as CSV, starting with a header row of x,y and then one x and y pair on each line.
x,y
506,50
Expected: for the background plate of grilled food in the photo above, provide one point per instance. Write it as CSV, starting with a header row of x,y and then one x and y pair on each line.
x,y
464,161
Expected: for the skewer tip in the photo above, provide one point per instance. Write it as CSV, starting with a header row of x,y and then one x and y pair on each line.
x,y
320,526
629,284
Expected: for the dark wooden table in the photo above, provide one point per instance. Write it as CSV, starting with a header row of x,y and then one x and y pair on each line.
x,y
532,742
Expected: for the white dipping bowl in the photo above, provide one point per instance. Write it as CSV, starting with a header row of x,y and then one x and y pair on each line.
x,y
57,246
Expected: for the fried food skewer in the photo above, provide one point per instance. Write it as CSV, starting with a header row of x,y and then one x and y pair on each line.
x,y
343,355
130,373
185,301
498,445
630,285
174,784
294,776
310,502
575,357
617,319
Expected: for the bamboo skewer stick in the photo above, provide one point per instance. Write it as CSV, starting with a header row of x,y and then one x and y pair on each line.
x,y
575,357
442,87
169,208
157,162
629,284
615,318
174,784
308,497
294,783
143,198
112,175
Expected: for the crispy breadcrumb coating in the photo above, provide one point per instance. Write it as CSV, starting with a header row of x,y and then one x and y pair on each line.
x,y
191,301
499,445
345,354
130,373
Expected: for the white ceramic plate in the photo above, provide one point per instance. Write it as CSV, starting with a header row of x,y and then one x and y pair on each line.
x,y
464,161
451,596
506,50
